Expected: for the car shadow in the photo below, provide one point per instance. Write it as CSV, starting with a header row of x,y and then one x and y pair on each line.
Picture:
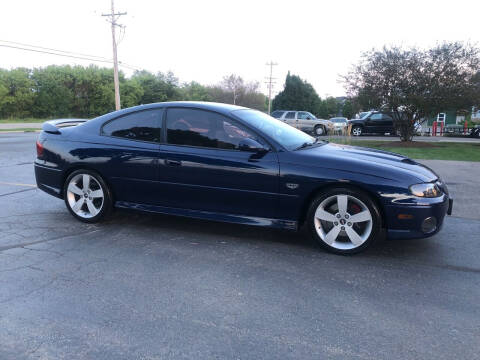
x,y
205,230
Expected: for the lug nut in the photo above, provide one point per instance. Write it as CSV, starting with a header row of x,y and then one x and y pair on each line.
x,y
336,223
349,224
346,216
343,227
338,216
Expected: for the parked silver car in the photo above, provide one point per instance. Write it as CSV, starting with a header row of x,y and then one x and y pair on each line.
x,y
339,123
305,121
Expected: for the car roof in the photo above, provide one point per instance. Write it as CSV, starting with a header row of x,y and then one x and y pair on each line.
x,y
220,107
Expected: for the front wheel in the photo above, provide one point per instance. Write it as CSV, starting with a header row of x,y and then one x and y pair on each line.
x,y
344,221
87,196
357,131
319,130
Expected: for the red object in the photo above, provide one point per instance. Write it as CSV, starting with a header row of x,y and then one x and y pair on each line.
x,y
434,128
39,149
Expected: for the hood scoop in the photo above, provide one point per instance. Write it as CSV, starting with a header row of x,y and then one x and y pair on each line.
x,y
409,161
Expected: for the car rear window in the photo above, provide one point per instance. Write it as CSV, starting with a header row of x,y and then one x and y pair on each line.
x,y
277,114
141,125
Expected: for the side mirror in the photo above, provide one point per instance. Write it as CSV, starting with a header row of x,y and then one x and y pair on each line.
x,y
309,118
251,145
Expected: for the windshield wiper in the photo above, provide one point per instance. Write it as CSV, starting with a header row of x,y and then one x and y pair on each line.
x,y
306,144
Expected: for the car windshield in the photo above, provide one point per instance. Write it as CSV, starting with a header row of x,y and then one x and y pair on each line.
x,y
364,114
284,134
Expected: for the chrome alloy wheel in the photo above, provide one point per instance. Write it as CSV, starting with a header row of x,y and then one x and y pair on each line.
x,y
343,222
85,196
357,131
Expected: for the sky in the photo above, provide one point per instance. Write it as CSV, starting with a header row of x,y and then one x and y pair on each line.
x,y
206,40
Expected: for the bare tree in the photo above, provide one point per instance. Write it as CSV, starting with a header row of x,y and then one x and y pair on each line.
x,y
234,84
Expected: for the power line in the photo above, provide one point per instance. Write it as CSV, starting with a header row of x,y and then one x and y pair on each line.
x,y
56,50
65,54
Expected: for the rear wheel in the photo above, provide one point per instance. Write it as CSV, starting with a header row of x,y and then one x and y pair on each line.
x,y
344,221
357,131
87,196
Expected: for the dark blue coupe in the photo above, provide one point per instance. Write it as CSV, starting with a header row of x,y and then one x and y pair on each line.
x,y
228,163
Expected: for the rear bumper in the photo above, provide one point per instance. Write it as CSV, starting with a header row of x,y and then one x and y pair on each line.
x,y
49,179
405,222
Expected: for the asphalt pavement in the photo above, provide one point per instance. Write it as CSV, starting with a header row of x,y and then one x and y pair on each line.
x,y
143,286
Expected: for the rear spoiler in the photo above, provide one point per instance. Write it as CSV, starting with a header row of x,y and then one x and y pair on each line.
x,y
54,126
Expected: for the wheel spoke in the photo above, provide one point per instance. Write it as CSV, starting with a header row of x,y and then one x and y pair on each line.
x,y
86,182
78,205
361,216
75,189
96,194
332,235
353,236
324,215
342,201
93,210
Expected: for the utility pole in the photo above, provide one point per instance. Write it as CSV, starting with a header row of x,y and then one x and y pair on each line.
x,y
270,84
113,17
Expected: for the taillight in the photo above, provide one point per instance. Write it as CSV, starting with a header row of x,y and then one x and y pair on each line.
x,y
39,149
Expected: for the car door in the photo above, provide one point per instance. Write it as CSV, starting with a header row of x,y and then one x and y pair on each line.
x,y
291,118
131,154
304,121
387,124
373,124
205,170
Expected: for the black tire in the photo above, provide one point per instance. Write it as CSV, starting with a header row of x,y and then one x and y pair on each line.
x,y
357,130
107,203
376,220
319,130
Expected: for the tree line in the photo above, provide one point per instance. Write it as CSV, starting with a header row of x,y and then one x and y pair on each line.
x,y
85,92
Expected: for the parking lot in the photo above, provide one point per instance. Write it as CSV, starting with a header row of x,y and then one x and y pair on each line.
x,y
143,286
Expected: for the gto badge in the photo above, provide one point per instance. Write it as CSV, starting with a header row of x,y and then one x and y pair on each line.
x,y
291,186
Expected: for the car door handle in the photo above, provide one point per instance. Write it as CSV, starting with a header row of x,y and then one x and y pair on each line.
x,y
173,162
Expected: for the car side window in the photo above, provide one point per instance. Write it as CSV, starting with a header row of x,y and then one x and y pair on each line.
x,y
290,115
376,117
192,127
141,125
387,117
277,114
303,115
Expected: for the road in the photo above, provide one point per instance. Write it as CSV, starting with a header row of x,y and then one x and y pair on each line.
x,y
145,286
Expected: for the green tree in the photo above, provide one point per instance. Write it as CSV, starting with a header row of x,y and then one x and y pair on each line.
x,y
414,84
298,94
53,91
131,92
16,93
194,91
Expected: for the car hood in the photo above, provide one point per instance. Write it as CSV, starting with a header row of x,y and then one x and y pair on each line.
x,y
370,161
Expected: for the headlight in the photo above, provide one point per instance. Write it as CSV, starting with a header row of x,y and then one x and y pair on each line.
x,y
428,190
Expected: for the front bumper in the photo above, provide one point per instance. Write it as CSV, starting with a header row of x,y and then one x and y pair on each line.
x,y
405,221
